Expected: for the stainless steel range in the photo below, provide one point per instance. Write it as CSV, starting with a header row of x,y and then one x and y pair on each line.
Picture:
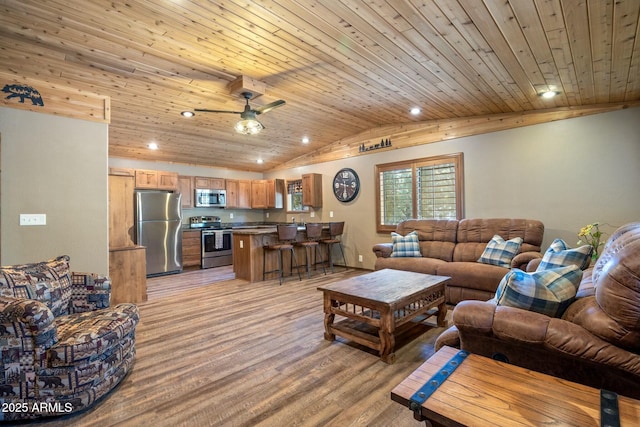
x,y
216,244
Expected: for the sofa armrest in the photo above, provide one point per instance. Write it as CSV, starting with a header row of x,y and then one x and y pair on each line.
x,y
550,345
89,292
450,338
383,250
519,326
27,319
523,259
490,320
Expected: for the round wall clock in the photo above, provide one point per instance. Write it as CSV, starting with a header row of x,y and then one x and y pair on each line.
x,y
346,185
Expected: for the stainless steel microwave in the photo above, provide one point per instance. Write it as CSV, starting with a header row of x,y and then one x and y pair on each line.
x,y
206,198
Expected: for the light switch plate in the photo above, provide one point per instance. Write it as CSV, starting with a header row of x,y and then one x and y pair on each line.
x,y
33,219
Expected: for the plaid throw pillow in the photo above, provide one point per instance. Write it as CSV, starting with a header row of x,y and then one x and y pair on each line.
x,y
549,292
560,255
405,246
500,252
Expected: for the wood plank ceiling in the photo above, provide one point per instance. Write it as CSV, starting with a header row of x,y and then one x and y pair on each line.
x,y
347,69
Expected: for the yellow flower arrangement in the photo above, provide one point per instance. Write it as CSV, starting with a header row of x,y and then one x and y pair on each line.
x,y
590,234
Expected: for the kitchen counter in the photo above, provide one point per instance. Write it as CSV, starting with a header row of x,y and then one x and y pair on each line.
x,y
254,231
269,228
248,251
242,227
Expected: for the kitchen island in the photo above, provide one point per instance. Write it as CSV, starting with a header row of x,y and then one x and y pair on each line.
x,y
248,251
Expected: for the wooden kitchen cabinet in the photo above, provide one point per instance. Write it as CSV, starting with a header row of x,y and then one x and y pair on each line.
x,y
185,187
259,194
191,248
231,185
156,180
122,172
209,183
244,193
312,190
146,179
128,274
238,193
275,193
127,261
167,180
267,193
121,211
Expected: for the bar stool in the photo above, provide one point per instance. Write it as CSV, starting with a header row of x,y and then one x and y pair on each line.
x,y
335,231
314,233
286,237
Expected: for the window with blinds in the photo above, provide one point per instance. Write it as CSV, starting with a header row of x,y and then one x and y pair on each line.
x,y
396,195
429,188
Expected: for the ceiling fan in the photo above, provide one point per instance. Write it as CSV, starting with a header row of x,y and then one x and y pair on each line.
x,y
248,124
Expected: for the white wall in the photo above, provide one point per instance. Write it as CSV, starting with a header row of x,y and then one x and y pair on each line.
x,y
56,166
566,173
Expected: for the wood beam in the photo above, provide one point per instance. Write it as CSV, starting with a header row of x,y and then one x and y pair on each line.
x,y
427,132
42,97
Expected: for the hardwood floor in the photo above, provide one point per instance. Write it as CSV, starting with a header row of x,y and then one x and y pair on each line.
x,y
216,351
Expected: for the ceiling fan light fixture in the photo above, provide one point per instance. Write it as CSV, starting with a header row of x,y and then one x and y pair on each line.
x,y
249,127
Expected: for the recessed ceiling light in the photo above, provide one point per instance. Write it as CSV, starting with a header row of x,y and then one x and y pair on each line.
x,y
305,139
415,111
549,94
188,114
152,146
260,161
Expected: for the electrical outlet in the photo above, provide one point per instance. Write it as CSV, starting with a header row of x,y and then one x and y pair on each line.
x,y
33,219
313,214
241,244
230,215
359,258
267,214
330,214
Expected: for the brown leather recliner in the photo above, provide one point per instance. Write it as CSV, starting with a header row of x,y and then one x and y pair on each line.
x,y
597,340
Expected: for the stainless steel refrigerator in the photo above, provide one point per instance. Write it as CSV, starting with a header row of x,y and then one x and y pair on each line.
x,y
159,229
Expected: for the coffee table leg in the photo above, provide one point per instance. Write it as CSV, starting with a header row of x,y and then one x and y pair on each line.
x,y
442,314
387,343
328,321
387,340
328,317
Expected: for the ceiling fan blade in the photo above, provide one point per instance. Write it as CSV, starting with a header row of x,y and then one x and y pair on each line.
x,y
203,110
269,107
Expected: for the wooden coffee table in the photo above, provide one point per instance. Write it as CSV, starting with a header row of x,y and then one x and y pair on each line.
x,y
484,392
385,300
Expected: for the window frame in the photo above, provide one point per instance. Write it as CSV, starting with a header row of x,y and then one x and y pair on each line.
x,y
456,158
289,209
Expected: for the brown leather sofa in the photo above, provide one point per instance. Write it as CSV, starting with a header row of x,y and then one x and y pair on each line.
x,y
452,248
597,340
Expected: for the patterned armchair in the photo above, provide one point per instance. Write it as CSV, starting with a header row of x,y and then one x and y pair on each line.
x,y
62,346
